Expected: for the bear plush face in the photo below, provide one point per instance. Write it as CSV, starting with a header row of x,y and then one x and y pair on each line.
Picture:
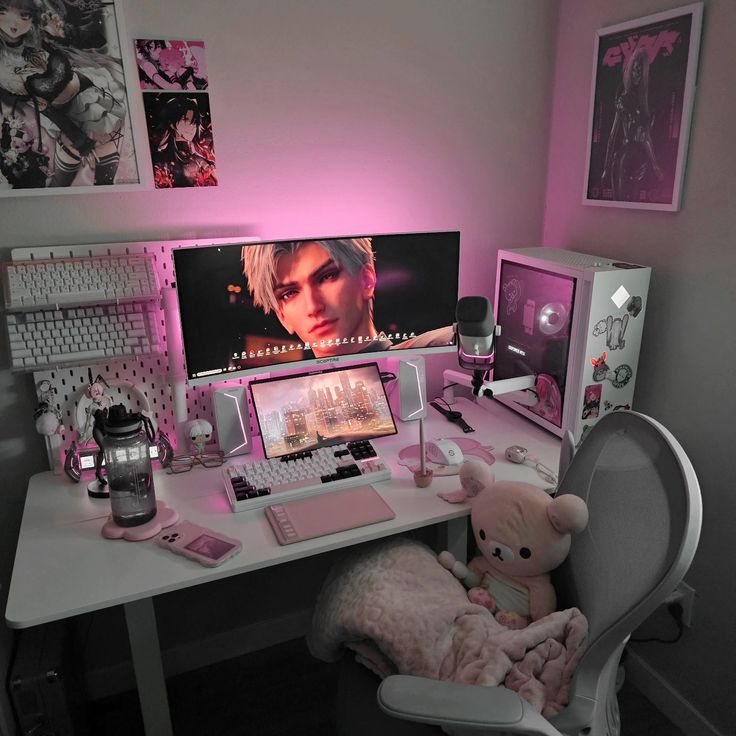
x,y
520,530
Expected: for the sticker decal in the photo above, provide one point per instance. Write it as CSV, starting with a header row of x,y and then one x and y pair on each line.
x,y
614,328
512,290
619,376
592,401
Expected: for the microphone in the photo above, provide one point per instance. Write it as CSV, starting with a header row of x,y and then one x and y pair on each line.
x,y
476,332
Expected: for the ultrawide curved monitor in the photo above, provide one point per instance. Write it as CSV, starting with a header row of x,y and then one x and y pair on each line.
x,y
260,307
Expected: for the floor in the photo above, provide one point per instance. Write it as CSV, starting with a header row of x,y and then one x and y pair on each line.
x,y
284,690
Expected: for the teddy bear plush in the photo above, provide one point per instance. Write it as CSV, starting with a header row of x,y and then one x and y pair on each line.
x,y
522,534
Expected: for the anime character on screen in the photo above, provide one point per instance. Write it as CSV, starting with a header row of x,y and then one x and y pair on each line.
x,y
58,88
181,140
323,291
630,160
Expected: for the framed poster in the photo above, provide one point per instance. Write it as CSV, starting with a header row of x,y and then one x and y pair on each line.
x,y
68,118
643,86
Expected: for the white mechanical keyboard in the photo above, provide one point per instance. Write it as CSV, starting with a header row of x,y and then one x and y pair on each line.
x,y
30,285
263,482
81,335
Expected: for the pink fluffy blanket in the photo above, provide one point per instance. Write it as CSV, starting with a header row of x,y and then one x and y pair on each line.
x,y
401,611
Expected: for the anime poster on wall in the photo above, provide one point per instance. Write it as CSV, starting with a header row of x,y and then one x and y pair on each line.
x,y
65,123
173,77
171,65
641,104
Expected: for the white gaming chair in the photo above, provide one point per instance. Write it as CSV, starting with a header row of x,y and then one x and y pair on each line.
x,y
645,516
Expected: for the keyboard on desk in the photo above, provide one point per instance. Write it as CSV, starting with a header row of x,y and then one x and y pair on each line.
x,y
67,337
262,482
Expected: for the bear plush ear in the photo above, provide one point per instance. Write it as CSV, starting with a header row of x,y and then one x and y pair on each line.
x,y
474,477
568,514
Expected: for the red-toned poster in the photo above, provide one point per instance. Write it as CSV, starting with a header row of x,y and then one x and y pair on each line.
x,y
643,88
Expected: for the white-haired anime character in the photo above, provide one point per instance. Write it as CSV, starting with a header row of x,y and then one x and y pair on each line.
x,y
323,291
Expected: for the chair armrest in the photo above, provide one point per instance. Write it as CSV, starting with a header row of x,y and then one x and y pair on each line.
x,y
454,705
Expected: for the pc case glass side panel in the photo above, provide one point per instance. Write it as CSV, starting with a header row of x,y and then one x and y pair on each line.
x,y
535,311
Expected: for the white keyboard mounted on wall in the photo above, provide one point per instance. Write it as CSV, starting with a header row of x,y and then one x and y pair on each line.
x,y
83,310
61,282
81,335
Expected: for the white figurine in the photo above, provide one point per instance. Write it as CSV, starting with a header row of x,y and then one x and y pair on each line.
x,y
200,433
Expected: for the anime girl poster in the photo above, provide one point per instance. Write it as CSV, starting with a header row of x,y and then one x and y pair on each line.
x,y
641,103
180,139
65,111
171,65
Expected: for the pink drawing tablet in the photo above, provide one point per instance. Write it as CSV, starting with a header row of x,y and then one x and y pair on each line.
x,y
327,513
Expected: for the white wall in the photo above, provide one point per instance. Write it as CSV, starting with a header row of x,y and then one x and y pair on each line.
x,y
685,370
330,117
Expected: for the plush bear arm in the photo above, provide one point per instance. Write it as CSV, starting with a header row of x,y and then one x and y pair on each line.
x,y
542,597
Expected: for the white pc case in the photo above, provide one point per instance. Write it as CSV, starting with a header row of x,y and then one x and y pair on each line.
x,y
576,321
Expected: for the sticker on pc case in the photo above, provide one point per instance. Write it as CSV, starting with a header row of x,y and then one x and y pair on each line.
x,y
634,305
614,329
619,376
512,291
592,401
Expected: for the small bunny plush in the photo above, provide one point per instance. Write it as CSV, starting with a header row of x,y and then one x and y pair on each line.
x,y
522,535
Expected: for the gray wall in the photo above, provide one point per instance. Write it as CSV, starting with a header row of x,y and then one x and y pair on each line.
x,y
330,116
688,353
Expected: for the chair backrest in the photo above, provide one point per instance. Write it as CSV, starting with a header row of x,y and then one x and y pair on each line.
x,y
645,516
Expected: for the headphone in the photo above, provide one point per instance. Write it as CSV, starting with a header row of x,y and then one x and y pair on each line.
x,y
520,455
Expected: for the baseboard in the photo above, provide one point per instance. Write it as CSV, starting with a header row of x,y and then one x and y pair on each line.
x,y
192,655
666,699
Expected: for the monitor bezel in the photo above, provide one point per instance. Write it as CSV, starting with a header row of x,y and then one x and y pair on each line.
x,y
304,374
331,361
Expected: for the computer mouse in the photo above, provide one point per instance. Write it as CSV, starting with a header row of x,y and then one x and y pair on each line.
x,y
444,452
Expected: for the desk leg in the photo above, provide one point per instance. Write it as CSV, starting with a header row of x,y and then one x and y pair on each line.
x,y
454,537
149,672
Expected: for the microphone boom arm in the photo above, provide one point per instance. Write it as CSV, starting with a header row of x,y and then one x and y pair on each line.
x,y
484,388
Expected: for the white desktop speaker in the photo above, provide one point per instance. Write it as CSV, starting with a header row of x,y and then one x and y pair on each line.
x,y
232,420
409,394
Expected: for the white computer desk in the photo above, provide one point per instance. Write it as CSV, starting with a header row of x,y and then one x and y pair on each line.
x,y
63,566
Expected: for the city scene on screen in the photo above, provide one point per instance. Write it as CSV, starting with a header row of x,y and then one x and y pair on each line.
x,y
318,410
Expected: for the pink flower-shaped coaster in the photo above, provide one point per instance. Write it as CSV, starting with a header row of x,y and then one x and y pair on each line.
x,y
165,516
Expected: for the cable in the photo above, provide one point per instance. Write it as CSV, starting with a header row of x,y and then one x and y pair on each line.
x,y
676,611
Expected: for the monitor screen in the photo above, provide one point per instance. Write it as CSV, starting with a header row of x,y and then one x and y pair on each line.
x,y
261,306
321,409
535,309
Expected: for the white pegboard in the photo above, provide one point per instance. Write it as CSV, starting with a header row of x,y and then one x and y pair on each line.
x,y
150,375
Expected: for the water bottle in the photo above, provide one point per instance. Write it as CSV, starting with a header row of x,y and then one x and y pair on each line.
x,y
129,473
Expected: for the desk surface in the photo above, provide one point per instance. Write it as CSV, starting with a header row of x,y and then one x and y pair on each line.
x,y
64,567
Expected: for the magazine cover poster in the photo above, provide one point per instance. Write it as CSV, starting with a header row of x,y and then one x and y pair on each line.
x,y
180,139
640,112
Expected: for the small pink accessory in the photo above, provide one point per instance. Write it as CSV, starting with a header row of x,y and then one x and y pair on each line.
x,y
165,516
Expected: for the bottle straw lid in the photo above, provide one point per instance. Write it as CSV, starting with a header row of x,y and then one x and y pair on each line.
x,y
121,421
